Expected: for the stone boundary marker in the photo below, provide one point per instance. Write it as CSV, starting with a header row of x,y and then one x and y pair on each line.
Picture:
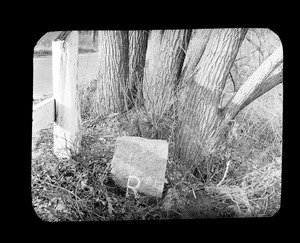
x,y
143,160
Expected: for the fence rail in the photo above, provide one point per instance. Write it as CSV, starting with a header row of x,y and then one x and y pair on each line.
x,y
43,114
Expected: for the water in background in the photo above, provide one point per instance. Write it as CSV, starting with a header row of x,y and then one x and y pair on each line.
x,y
42,65
42,72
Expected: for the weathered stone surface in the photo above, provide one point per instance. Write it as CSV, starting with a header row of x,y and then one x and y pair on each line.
x,y
140,163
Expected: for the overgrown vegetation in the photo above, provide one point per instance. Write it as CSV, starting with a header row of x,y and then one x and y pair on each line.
x,y
81,188
242,179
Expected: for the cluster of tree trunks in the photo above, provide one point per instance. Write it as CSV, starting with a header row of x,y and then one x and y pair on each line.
x,y
160,69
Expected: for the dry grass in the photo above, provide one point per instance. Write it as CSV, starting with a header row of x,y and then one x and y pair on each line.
x,y
80,189
87,95
252,192
253,182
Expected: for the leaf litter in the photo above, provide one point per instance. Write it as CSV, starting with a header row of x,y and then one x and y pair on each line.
x,y
81,189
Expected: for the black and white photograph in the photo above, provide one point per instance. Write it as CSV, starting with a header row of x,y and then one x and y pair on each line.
x,y
159,124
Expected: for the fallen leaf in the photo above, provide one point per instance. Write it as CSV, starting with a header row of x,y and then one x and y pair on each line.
x,y
60,207
83,183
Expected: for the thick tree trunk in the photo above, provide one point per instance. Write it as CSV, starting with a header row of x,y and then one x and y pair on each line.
x,y
112,89
198,41
199,100
164,60
137,55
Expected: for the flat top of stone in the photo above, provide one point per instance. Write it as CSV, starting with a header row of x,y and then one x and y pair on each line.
x,y
159,147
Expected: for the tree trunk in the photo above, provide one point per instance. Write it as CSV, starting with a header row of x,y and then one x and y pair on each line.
x,y
197,42
198,113
261,81
164,60
137,55
113,71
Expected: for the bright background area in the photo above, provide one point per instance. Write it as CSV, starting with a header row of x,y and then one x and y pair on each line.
x,y
42,62
42,76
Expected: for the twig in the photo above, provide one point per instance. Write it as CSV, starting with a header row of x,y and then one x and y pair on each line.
x,y
258,48
234,88
194,193
76,198
224,176
182,49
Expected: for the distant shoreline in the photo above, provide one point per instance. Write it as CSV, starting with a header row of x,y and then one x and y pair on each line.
x,y
45,53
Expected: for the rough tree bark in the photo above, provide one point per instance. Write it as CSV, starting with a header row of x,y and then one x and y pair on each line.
x,y
137,55
164,60
198,41
199,114
113,71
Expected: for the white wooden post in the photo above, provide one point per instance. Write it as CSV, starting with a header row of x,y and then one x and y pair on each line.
x,y
67,125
